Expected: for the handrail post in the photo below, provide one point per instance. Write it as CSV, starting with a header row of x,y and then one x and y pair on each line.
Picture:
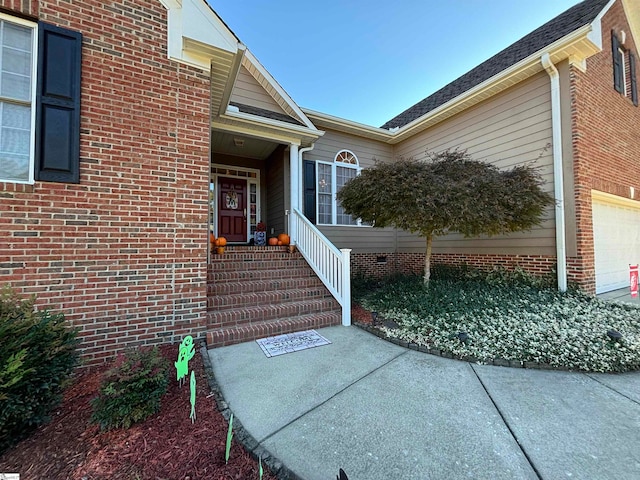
x,y
346,286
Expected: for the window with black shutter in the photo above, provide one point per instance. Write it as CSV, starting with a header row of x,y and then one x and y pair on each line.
x,y
618,64
57,131
634,82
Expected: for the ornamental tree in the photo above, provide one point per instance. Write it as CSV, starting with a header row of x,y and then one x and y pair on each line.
x,y
448,192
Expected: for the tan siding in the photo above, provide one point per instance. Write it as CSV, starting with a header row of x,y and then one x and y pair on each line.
x,y
327,146
248,91
359,239
510,129
274,217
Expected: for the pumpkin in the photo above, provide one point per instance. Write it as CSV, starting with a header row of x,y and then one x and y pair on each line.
x,y
273,241
279,242
212,239
284,238
221,242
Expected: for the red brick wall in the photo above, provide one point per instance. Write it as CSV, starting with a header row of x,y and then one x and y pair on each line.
x,y
123,253
367,264
606,141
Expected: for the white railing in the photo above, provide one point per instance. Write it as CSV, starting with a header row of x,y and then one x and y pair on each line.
x,y
330,264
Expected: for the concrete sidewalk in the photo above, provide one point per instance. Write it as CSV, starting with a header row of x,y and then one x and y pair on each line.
x,y
380,411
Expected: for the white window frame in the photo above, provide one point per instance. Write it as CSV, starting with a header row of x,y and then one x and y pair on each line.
x,y
334,203
34,79
623,69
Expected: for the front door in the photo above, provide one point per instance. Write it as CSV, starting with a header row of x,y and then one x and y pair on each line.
x,y
232,209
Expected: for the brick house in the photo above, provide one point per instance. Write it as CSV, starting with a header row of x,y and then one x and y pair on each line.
x,y
131,129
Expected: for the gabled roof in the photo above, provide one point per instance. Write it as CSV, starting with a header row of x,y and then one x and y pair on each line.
x,y
579,15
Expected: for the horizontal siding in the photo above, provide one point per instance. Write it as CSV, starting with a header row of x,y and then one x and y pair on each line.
x,y
248,91
511,129
367,151
359,239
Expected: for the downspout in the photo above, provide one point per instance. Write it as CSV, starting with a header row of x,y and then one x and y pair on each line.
x,y
558,178
295,174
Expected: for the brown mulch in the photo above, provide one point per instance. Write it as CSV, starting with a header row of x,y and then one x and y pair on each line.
x,y
165,446
360,314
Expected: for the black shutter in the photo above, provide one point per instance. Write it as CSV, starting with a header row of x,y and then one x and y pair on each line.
x,y
309,181
58,105
634,83
618,74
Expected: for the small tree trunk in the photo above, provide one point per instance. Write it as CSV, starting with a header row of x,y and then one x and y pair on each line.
x,y
427,260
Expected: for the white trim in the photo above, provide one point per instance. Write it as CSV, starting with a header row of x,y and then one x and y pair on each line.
x,y
595,35
604,197
256,181
284,126
623,68
34,85
279,90
334,189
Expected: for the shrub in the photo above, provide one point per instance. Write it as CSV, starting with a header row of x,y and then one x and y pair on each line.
x,y
37,356
131,390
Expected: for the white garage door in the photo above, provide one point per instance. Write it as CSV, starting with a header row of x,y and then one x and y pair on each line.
x,y
616,235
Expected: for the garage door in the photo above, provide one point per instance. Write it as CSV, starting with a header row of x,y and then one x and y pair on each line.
x,y
616,234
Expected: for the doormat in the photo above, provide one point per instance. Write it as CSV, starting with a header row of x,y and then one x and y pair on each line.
x,y
291,342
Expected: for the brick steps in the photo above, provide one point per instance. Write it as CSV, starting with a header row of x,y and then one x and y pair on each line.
x,y
255,292
219,337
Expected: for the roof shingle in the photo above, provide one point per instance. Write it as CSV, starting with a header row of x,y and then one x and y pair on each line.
x,y
562,25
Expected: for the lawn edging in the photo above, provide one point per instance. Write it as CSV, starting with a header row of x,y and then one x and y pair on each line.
x,y
250,444
498,362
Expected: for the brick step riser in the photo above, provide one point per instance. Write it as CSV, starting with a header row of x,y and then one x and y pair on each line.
x,y
234,335
259,265
249,315
257,275
278,297
251,255
256,286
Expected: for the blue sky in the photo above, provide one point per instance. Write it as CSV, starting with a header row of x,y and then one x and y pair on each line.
x,y
368,60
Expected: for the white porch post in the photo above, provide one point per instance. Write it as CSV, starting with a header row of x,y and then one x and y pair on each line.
x,y
294,191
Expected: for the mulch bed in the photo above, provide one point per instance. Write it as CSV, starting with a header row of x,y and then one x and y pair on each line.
x,y
165,446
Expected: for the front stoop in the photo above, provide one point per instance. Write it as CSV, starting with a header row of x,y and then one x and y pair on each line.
x,y
257,292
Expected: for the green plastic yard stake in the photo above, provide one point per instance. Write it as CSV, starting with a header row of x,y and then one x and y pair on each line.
x,y
185,353
192,383
229,437
260,472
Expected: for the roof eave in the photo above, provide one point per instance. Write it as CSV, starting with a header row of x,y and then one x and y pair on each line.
x,y
267,128
576,47
348,126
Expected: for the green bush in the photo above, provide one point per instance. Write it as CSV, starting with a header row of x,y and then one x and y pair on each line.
x,y
37,356
131,390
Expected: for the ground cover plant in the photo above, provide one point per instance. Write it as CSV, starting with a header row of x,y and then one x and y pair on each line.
x,y
506,316
167,445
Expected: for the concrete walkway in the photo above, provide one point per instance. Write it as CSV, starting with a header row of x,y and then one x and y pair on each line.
x,y
380,411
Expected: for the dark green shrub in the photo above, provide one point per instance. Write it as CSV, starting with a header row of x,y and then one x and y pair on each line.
x,y
131,389
37,355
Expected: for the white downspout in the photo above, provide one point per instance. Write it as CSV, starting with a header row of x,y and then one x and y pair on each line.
x,y
558,178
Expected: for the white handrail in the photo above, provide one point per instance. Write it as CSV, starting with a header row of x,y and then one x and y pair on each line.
x,y
332,266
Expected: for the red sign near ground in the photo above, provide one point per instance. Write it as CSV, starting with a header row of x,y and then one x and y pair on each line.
x,y
633,280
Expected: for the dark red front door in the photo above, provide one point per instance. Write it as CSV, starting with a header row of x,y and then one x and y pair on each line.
x,y
232,209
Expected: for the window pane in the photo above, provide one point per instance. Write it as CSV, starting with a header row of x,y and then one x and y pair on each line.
x,y
17,37
324,208
15,122
15,81
343,175
14,167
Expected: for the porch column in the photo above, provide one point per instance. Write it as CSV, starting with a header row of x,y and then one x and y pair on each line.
x,y
294,191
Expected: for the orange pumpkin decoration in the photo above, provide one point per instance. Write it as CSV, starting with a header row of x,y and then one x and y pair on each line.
x,y
279,242
273,241
221,242
284,238
212,239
